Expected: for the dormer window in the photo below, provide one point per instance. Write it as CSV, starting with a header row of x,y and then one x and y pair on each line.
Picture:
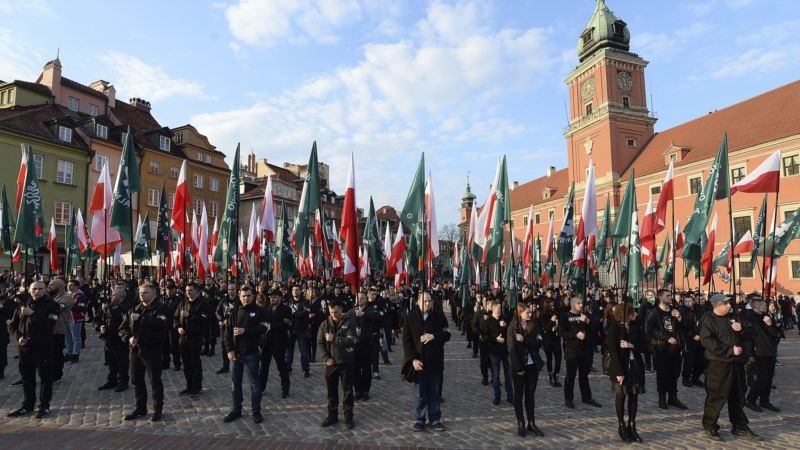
x,y
64,134
163,143
631,142
619,28
587,36
179,138
101,131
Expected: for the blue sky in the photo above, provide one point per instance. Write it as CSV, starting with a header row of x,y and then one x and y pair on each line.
x,y
463,81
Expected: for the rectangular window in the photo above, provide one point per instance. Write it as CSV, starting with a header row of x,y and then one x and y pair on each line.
x,y
214,185
171,200
524,221
179,138
173,172
212,209
694,185
791,165
741,225
631,142
101,131
537,219
74,104
655,189
64,134
626,102
94,110
3,98
208,159
198,181
65,172
155,167
745,269
198,205
38,161
588,109
673,158
62,213
199,156
795,270
737,174
153,197
100,161
163,143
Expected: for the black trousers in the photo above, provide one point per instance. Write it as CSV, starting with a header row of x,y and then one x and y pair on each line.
x,y
553,353
151,365
524,391
174,348
226,364
724,383
579,365
3,357
668,368
694,363
362,368
192,364
761,387
119,361
335,375
312,343
31,361
58,356
483,348
278,354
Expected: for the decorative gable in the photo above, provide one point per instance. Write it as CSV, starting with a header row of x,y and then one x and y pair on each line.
x,y
675,152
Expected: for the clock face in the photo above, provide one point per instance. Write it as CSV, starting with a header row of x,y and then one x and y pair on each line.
x,y
624,81
587,89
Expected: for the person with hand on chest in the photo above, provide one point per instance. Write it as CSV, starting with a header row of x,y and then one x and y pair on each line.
x,y
664,332
524,338
366,317
114,314
494,329
624,344
192,318
336,346
573,327
245,326
275,341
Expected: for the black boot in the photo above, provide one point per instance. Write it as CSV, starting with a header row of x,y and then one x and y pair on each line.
x,y
634,436
550,377
555,380
534,429
623,432
521,429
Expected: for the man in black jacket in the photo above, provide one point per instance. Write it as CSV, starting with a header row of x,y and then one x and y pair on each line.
x,y
191,320
245,326
573,326
145,330
222,313
425,332
275,340
765,333
32,325
114,314
172,345
693,362
301,310
665,337
366,316
336,346
725,375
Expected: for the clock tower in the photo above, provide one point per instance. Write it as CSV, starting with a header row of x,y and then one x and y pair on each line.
x,y
609,122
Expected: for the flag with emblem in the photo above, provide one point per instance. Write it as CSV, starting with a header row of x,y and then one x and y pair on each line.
x,y
230,218
567,233
30,215
413,214
635,268
499,215
6,223
127,183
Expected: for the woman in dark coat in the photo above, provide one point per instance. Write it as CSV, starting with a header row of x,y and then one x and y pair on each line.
x,y
524,338
552,340
624,344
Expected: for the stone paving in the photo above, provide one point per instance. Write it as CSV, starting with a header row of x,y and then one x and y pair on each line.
x,y
83,417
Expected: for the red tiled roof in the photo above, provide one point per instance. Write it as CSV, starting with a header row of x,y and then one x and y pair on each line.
x,y
82,88
387,212
35,87
32,120
767,117
523,194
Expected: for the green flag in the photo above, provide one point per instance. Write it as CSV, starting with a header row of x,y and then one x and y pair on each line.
x,y
722,258
464,275
127,183
536,264
6,224
372,237
309,203
669,269
228,234
141,251
286,256
567,233
30,217
635,269
759,230
163,244
71,246
786,232
600,245
501,214
717,187
510,282
413,215
622,227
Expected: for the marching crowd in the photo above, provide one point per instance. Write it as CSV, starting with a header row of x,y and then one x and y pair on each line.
x,y
688,339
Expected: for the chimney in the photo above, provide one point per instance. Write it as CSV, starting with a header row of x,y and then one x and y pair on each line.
x,y
514,185
140,104
251,162
51,77
550,171
106,88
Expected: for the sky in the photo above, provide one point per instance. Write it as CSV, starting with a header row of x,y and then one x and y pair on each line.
x,y
465,82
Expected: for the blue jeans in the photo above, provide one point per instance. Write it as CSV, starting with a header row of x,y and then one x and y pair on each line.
x,y
497,361
428,392
302,341
237,373
73,338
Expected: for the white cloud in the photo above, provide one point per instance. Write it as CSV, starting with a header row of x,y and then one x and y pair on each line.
x,y
759,62
134,77
663,46
18,60
35,7
434,91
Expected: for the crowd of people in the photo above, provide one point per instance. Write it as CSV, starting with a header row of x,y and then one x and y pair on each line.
x,y
728,347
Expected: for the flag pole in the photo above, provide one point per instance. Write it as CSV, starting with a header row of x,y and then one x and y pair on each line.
x,y
772,251
730,246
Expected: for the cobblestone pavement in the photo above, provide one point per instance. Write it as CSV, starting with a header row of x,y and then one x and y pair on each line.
x,y
83,417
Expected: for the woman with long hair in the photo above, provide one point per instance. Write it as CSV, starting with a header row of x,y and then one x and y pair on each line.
x,y
624,344
524,340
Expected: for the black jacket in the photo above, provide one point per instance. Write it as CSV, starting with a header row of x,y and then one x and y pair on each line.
x,y
149,329
432,353
300,311
569,325
624,361
279,319
342,348
718,338
253,319
113,318
368,325
659,327
521,354
490,329
37,328
196,324
764,337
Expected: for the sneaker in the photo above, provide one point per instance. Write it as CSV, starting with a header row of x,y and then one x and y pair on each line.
x,y
438,426
18,412
156,416
592,402
419,426
42,413
376,376
257,417
233,415
676,403
746,433
186,391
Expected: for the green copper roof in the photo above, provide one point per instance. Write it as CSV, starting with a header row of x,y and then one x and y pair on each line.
x,y
603,30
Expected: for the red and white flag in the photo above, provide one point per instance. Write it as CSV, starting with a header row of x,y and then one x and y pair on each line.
x,y
765,178
195,234
586,232
117,264
104,236
52,247
667,194
387,247
23,168
83,240
202,251
337,262
647,238
349,232
320,236
527,250
179,202
395,265
268,213
430,216
678,238
254,232
745,245
708,254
